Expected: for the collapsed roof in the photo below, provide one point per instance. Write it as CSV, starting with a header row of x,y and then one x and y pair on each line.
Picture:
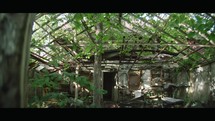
x,y
138,40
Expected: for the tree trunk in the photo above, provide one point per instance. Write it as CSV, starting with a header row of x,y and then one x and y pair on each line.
x,y
76,84
15,35
97,75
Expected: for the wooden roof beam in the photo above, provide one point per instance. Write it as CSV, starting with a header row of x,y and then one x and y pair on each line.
x,y
168,35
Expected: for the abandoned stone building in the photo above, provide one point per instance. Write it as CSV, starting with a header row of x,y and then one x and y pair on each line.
x,y
121,60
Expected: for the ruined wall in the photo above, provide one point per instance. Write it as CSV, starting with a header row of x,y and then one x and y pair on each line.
x,y
123,78
146,79
121,86
202,84
212,84
182,78
134,79
201,81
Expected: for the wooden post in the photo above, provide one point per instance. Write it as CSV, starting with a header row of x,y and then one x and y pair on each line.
x,y
97,75
15,35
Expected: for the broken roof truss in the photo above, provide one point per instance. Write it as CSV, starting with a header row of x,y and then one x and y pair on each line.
x,y
141,40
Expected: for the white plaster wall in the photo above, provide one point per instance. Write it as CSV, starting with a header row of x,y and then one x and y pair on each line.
x,y
122,78
202,84
146,78
201,81
212,84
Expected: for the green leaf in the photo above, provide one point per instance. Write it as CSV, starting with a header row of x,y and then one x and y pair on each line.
x,y
88,49
212,37
77,24
46,80
191,34
59,77
201,27
70,75
53,75
199,19
101,91
78,16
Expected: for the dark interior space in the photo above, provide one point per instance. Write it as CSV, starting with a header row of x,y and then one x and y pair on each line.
x,y
108,85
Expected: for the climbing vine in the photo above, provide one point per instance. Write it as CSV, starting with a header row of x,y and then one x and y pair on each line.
x,y
63,41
